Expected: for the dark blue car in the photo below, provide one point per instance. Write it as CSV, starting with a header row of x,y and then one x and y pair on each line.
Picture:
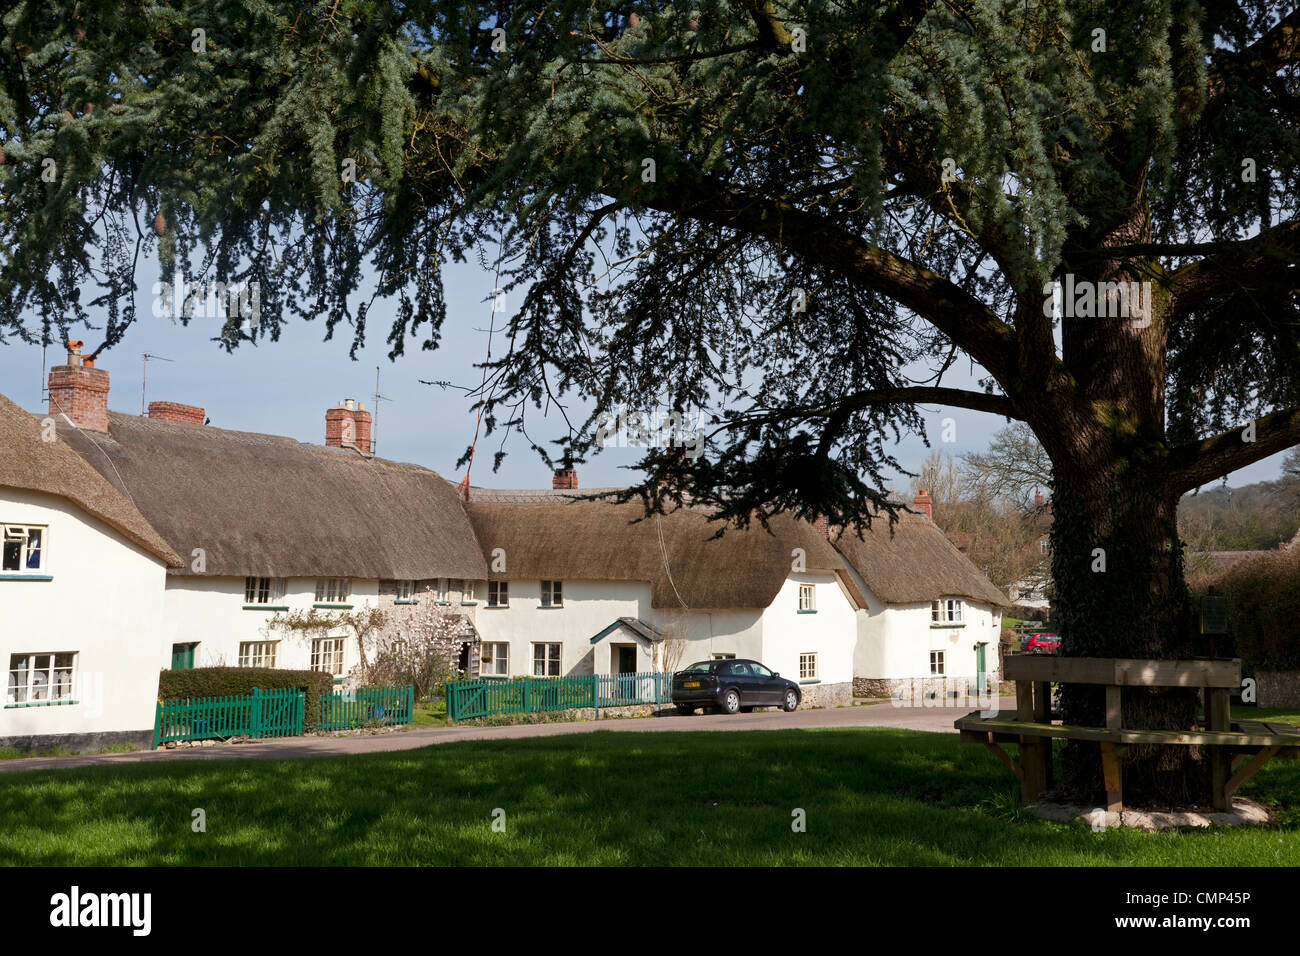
x,y
732,686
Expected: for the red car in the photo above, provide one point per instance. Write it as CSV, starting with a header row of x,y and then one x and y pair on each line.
x,y
1043,641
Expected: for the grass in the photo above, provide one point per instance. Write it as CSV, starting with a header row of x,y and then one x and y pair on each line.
x,y
872,796
430,713
12,753
1276,715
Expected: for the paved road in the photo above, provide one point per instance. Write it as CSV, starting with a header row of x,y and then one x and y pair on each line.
x,y
935,719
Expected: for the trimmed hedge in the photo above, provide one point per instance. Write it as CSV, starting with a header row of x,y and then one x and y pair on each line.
x,y
240,681
1263,607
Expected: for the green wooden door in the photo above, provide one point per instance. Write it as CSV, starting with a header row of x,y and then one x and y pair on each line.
x,y
183,656
981,676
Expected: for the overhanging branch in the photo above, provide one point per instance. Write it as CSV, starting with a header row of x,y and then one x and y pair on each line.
x,y
904,395
1196,463
967,321
1257,263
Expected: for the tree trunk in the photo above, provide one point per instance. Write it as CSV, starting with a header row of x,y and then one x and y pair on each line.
x,y
1120,593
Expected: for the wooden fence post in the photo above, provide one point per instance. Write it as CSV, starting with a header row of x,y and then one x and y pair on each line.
x,y
255,719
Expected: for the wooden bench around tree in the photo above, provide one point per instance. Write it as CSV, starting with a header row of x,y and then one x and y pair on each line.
x,y
1237,749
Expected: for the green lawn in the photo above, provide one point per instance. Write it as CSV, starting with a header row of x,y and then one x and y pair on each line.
x,y
430,714
1276,715
871,796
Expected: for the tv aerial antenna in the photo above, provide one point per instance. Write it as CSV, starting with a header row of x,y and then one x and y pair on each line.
x,y
144,375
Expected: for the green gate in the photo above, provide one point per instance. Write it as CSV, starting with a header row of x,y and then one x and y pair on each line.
x,y
263,713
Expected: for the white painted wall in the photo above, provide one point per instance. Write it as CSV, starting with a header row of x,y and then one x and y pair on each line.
x,y
105,602
589,607
895,642
210,610
738,632
830,631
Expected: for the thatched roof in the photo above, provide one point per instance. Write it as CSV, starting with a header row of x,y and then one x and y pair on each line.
x,y
916,563
549,535
267,505
31,464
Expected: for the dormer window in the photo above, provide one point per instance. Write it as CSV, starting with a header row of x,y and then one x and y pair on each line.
x,y
807,598
263,590
24,548
945,611
333,590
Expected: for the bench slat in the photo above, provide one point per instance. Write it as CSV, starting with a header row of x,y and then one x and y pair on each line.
x,y
1006,723
1123,672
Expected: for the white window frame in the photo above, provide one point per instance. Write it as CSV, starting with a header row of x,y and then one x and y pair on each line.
x,y
552,594
333,590
808,665
946,611
467,595
404,591
258,653
547,663
26,686
498,594
255,592
327,655
488,659
21,534
807,598
937,664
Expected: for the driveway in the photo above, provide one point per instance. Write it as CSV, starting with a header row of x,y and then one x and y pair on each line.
x,y
933,719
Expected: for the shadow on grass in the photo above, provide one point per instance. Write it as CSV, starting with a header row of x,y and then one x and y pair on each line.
x,y
868,796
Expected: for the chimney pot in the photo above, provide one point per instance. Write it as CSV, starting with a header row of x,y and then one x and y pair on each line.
x,y
74,352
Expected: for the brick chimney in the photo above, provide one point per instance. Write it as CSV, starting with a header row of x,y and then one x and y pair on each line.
x,y
822,525
565,479
924,504
80,391
176,412
348,425
1039,500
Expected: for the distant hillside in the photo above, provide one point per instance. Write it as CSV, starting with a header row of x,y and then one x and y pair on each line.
x,y
1250,518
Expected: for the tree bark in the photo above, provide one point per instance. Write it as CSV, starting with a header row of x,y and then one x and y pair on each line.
x,y
1116,558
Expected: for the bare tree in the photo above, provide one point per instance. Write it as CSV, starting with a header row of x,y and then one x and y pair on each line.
x,y
1014,467
675,641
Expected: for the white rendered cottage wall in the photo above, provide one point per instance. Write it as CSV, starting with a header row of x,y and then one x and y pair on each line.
x,y
211,612
829,631
104,602
900,654
736,632
588,607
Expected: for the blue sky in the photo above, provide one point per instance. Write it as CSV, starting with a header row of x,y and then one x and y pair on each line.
x,y
285,387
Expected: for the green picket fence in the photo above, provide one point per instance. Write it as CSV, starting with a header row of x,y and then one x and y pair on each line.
x,y
531,695
367,706
263,713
